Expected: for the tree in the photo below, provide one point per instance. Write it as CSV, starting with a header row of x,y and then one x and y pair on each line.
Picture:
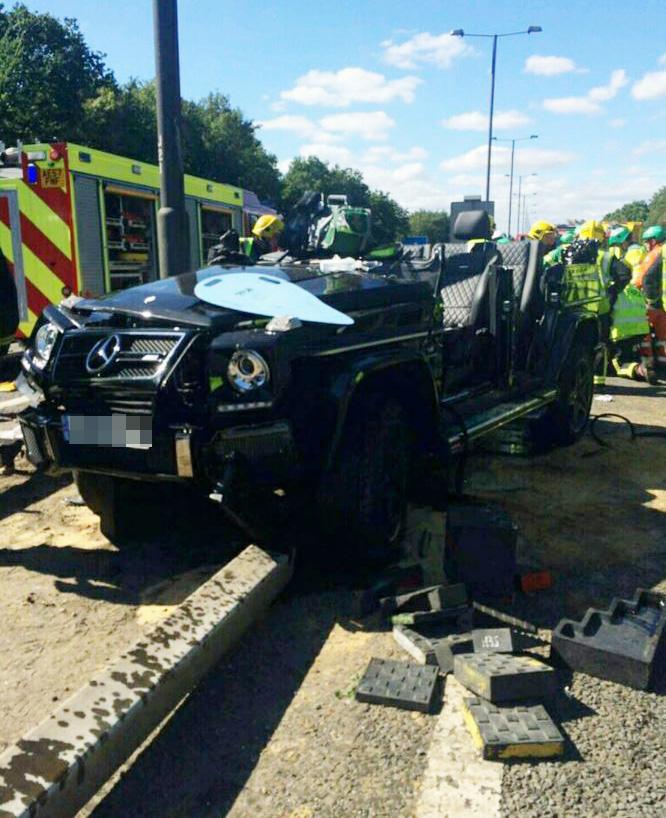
x,y
636,211
47,73
389,220
657,214
313,174
431,223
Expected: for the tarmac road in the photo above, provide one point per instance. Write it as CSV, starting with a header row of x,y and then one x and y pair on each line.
x,y
274,729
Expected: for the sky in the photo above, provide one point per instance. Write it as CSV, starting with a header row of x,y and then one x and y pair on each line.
x,y
382,86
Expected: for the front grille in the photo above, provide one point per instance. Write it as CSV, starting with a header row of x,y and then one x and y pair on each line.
x,y
134,356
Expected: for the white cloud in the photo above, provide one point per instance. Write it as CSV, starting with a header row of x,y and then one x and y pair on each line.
x,y
531,159
602,93
571,105
436,49
384,153
299,125
477,121
651,85
342,88
651,147
617,123
283,165
337,154
590,102
370,125
549,66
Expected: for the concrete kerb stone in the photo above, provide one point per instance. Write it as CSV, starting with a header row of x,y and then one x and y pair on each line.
x,y
59,765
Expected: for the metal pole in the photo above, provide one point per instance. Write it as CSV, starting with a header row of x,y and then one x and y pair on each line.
x,y
172,233
520,182
490,118
513,148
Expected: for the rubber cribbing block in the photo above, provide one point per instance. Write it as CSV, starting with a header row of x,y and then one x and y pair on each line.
x,y
512,732
500,677
398,684
625,644
452,615
434,598
419,647
492,640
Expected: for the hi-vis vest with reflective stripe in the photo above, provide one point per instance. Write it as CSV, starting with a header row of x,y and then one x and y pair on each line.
x,y
587,284
629,315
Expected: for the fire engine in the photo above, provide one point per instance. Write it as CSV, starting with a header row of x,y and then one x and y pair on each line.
x,y
83,221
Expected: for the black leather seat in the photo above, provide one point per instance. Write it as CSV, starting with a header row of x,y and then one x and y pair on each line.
x,y
526,260
464,289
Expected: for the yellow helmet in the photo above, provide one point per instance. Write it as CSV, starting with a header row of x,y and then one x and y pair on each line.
x,y
540,229
592,230
267,227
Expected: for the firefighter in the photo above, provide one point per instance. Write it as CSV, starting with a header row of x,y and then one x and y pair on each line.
x,y
612,275
619,240
650,278
555,255
545,233
264,234
9,316
633,258
629,329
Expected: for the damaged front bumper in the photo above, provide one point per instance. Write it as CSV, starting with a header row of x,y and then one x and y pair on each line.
x,y
266,451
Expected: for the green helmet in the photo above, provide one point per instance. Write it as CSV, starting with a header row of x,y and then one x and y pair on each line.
x,y
656,232
618,235
567,237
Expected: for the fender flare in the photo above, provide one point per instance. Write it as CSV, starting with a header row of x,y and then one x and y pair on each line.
x,y
567,329
360,374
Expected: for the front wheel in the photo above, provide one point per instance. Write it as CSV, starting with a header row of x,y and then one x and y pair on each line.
x,y
363,497
115,501
566,420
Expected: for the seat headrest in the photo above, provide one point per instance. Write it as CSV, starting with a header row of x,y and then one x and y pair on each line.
x,y
472,224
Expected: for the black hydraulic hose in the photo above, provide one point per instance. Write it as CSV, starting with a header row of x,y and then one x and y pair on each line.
x,y
632,429
462,459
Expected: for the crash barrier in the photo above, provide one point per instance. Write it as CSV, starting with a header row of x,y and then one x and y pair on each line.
x,y
59,765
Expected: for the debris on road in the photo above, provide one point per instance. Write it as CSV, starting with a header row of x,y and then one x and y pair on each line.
x,y
492,640
625,644
512,732
501,616
399,684
434,598
501,677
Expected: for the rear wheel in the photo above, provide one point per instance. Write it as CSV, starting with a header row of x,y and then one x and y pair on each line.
x,y
566,420
363,497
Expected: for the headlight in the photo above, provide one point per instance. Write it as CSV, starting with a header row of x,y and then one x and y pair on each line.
x,y
247,370
45,340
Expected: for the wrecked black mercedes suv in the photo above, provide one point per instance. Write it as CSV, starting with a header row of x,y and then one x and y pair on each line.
x,y
226,393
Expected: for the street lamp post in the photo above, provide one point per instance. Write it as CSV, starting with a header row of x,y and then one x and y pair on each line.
x,y
520,185
513,150
459,32
172,234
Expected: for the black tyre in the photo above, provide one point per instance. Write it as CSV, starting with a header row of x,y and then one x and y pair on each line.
x,y
363,497
566,420
116,502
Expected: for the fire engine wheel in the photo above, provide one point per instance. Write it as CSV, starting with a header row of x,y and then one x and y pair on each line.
x,y
114,500
568,417
363,498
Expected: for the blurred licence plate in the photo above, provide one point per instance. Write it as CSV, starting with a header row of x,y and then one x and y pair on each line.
x,y
124,431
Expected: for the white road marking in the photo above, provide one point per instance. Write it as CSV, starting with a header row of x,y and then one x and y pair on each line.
x,y
457,782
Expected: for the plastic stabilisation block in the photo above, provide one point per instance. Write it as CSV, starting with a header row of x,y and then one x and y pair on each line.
x,y
625,644
501,677
399,684
512,732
